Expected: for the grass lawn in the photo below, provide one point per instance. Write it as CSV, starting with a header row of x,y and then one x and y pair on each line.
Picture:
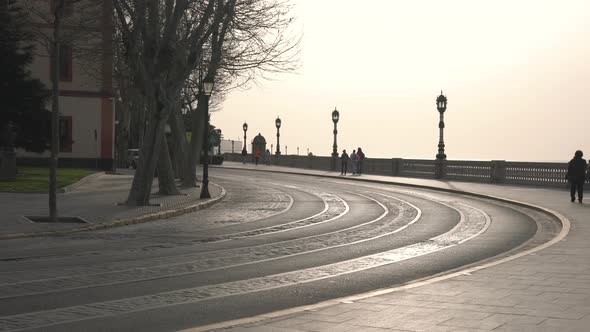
x,y
37,178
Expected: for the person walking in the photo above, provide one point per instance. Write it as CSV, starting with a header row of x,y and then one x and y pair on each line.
x,y
344,161
576,175
257,156
267,157
361,157
354,158
244,156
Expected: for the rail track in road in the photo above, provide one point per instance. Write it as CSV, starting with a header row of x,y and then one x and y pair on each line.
x,y
277,241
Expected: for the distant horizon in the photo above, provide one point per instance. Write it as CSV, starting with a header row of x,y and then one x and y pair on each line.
x,y
303,154
516,90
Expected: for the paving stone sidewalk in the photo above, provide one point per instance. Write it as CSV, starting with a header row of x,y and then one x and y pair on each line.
x,y
548,290
95,200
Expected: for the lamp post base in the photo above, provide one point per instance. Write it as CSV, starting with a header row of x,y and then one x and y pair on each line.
x,y
205,190
440,168
334,160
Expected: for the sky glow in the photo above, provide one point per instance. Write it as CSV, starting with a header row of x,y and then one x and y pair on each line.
x,y
516,74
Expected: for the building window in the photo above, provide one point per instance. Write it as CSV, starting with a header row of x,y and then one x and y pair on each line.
x,y
68,7
65,63
65,134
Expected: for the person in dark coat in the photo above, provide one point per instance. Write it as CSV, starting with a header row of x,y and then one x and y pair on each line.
x,y
244,156
361,156
344,161
576,175
257,156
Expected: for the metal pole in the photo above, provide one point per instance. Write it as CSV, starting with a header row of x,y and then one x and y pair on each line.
x,y
278,145
245,141
441,140
205,190
335,147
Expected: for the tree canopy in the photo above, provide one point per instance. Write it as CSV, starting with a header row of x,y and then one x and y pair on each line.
x,y
24,120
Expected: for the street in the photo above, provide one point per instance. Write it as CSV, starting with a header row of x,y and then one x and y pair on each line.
x,y
275,241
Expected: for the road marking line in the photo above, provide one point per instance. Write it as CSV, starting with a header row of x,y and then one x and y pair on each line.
x,y
192,295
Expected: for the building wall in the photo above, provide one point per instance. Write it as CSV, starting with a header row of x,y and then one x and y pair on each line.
x,y
85,113
87,98
226,146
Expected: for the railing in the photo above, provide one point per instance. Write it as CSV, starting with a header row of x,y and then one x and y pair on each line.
x,y
378,166
547,174
416,168
468,170
495,171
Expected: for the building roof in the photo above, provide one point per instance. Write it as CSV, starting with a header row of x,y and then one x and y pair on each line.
x,y
259,139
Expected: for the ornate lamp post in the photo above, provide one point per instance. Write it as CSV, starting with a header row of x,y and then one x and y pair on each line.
x,y
245,127
207,88
441,157
278,125
335,118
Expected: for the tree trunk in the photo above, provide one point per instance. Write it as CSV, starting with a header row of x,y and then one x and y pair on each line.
x,y
179,132
198,120
123,128
166,182
141,186
53,159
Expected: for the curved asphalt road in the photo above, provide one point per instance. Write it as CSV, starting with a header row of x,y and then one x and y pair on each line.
x,y
275,242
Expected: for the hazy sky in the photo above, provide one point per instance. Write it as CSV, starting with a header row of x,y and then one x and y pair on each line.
x,y
516,74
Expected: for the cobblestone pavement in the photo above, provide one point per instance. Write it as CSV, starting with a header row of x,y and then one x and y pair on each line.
x,y
301,240
96,201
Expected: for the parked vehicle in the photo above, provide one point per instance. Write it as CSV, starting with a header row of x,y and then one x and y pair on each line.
x,y
132,158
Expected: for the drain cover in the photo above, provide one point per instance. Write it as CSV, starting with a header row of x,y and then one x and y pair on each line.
x,y
69,220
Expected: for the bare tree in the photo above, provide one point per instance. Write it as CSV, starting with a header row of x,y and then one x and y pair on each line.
x,y
252,40
163,41
74,23
58,14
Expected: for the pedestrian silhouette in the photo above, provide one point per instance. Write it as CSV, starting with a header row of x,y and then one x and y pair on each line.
x,y
576,175
257,156
344,162
361,157
267,157
354,158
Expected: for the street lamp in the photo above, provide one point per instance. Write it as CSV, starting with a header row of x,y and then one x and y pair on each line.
x,y
206,90
278,125
245,127
441,106
335,118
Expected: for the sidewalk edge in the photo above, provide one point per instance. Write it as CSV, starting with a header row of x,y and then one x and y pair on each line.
x,y
566,225
125,221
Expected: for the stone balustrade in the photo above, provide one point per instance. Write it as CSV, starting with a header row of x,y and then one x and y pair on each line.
x,y
494,171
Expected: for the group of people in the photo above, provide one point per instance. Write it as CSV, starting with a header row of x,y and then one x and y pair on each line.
x,y
257,156
356,159
577,174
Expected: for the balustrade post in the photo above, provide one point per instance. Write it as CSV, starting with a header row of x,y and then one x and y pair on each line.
x,y
396,166
498,171
440,168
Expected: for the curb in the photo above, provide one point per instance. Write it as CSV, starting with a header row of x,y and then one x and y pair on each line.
x,y
565,223
412,185
80,182
126,221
